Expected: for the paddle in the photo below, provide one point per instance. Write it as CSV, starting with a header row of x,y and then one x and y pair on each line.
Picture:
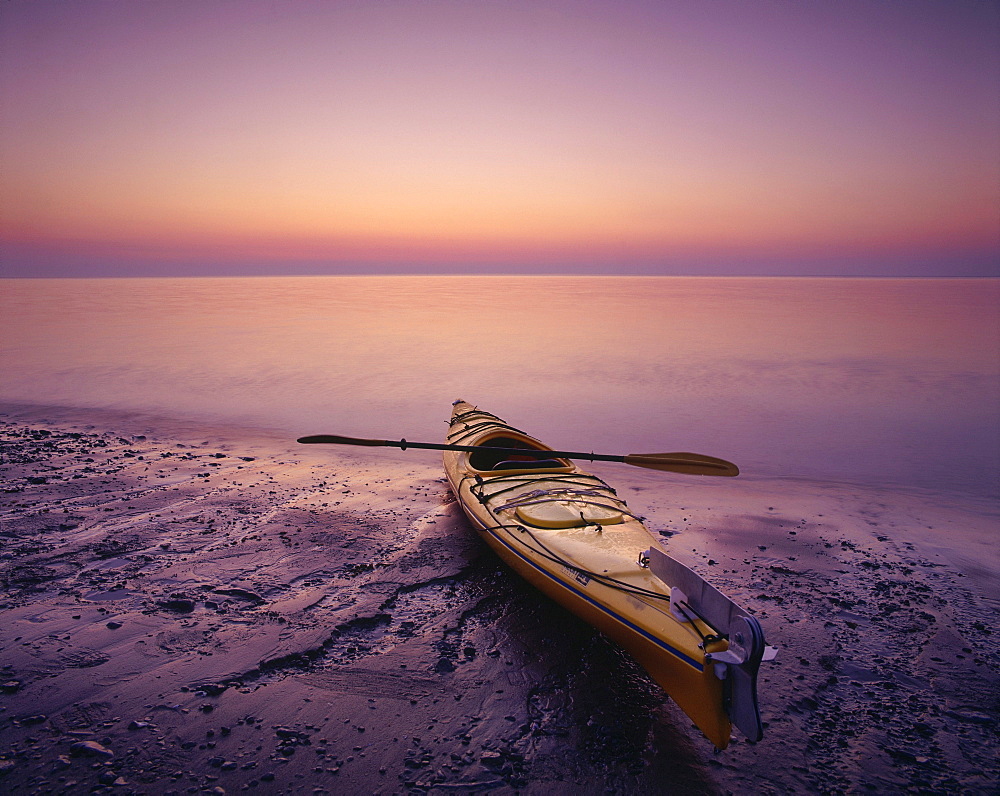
x,y
690,463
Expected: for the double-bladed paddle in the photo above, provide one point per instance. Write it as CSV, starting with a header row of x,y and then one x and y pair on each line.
x,y
690,463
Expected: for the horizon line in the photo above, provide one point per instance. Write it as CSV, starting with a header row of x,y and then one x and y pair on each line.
x,y
533,275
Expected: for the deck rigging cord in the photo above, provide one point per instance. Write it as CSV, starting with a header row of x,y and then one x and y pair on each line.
x,y
541,549
538,497
472,430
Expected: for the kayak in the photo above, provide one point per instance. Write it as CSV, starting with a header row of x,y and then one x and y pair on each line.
x,y
566,532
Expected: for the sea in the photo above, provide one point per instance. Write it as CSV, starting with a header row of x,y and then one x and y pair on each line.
x,y
885,382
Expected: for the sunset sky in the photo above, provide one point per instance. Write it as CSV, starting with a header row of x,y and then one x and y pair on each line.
x,y
859,137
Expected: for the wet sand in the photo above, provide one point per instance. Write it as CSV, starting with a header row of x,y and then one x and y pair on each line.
x,y
192,609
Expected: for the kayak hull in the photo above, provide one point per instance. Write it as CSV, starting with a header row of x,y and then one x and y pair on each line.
x,y
594,568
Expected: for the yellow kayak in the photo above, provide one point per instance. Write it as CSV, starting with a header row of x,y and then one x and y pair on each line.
x,y
566,532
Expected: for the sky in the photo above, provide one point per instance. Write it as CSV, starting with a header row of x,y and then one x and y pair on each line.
x,y
792,137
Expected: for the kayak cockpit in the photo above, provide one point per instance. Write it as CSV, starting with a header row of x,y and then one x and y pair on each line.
x,y
527,464
494,455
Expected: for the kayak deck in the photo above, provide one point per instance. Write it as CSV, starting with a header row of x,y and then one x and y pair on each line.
x,y
568,533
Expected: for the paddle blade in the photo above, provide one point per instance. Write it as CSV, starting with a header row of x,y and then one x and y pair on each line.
x,y
331,439
690,463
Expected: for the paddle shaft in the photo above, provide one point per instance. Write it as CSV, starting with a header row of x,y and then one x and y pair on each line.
x,y
534,453
675,462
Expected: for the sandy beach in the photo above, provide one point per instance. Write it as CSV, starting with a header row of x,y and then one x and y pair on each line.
x,y
191,609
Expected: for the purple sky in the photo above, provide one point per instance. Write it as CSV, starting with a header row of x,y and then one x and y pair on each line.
x,y
208,137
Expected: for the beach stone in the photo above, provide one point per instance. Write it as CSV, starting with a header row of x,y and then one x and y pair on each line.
x,y
492,759
11,686
178,603
210,689
91,749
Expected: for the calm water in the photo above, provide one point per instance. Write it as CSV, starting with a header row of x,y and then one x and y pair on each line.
x,y
891,381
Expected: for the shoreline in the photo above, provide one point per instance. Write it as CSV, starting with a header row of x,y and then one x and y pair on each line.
x,y
194,606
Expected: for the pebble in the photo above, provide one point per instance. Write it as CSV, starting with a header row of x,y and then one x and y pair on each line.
x,y
91,749
491,759
210,689
182,605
